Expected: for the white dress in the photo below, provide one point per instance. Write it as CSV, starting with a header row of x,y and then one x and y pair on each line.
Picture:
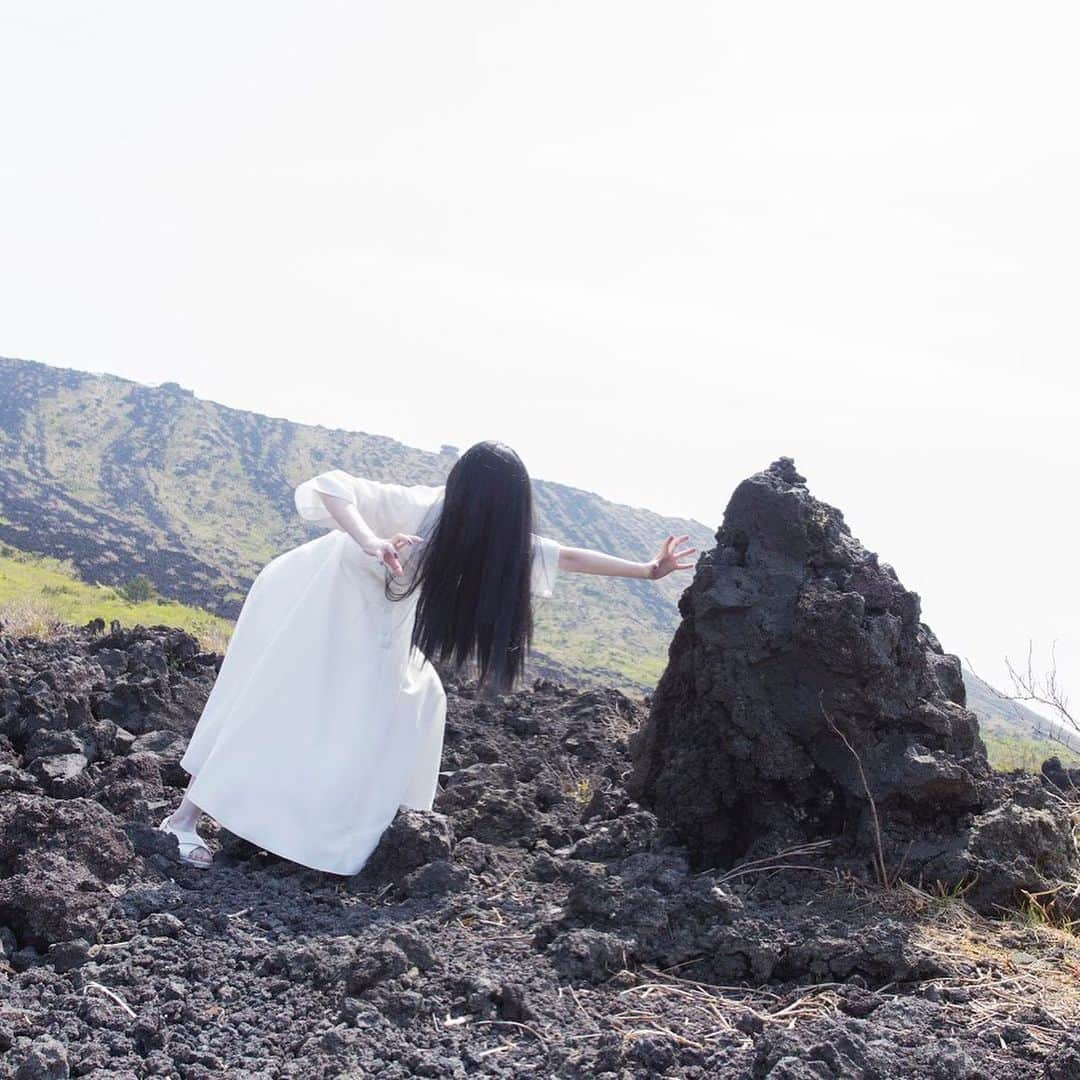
x,y
322,721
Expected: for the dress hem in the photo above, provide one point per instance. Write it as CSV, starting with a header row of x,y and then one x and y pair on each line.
x,y
246,833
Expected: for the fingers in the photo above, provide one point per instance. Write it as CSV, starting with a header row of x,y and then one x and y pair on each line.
x,y
388,558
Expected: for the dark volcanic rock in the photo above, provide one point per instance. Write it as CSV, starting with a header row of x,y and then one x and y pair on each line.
x,y
168,747
1063,780
62,774
131,786
802,679
592,955
414,839
537,922
57,858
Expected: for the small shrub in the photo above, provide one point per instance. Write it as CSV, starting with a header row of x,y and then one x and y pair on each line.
x,y
137,590
577,786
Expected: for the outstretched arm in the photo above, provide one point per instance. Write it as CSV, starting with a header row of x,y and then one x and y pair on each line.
x,y
587,561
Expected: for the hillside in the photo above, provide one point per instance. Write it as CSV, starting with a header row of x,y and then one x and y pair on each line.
x,y
124,479
1018,737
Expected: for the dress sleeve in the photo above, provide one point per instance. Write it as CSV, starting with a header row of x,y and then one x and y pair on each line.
x,y
545,565
387,507
334,482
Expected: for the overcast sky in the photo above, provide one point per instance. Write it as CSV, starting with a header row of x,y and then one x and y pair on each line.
x,y
651,246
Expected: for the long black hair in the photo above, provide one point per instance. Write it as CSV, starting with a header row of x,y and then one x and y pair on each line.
x,y
473,570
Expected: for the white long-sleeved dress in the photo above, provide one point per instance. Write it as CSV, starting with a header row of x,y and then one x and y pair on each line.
x,y
322,720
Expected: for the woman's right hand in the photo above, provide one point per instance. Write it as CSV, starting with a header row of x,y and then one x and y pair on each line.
x,y
386,551
668,558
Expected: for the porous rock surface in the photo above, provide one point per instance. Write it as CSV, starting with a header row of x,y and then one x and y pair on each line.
x,y
536,922
805,701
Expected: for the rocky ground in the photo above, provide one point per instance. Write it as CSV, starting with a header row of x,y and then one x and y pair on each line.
x,y
537,923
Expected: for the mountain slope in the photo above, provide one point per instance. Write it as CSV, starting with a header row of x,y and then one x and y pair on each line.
x,y
126,479
1016,736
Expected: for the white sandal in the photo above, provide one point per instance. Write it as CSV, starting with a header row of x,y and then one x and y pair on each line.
x,y
188,841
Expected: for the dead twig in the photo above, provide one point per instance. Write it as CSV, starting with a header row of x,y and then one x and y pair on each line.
x,y
518,1024
112,995
882,871
775,862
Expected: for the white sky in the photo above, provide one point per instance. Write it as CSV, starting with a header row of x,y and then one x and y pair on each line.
x,y
651,246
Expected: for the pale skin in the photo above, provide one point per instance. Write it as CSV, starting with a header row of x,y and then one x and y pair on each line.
x,y
574,560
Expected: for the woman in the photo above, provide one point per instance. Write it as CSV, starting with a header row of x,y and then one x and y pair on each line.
x,y
326,715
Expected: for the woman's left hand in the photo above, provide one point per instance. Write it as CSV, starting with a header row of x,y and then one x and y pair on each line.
x,y
668,558
386,551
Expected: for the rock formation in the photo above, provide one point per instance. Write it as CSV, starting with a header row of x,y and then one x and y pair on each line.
x,y
805,701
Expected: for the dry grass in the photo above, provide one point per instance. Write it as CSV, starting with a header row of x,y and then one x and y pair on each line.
x,y
618,726
1060,905
1054,907
30,616
998,976
713,1013
660,1003
781,861
1011,971
35,617
213,637
884,878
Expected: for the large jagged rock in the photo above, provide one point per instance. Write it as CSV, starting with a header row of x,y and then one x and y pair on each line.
x,y
803,691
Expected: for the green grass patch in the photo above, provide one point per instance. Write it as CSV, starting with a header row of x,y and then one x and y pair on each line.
x,y
1008,752
39,594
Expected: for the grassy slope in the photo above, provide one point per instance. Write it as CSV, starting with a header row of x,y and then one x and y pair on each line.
x,y
36,589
